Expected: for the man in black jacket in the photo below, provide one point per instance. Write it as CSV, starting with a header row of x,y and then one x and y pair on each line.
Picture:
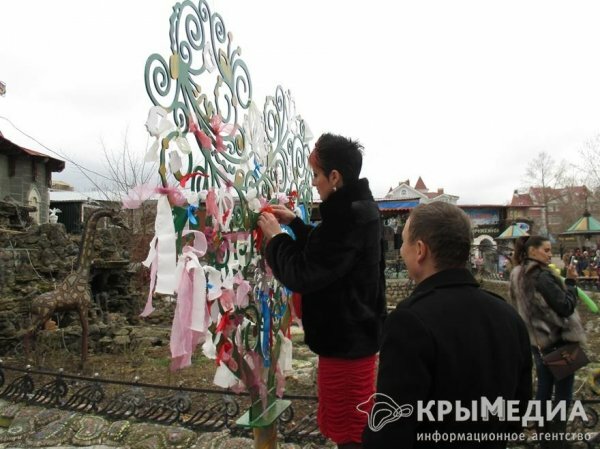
x,y
449,350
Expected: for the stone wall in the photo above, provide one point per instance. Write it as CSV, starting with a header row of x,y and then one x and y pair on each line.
x,y
397,290
38,259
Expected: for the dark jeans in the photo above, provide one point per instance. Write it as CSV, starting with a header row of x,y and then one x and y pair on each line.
x,y
563,389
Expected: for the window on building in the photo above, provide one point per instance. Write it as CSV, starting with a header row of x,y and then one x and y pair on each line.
x,y
34,199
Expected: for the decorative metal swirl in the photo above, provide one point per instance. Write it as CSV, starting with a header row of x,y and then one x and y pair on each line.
x,y
304,429
217,415
166,409
19,389
126,405
52,393
88,397
265,151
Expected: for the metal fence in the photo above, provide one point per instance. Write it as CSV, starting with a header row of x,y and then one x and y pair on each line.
x,y
199,409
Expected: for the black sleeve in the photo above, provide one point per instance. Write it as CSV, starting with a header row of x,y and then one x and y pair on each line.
x,y
301,230
308,268
404,377
562,301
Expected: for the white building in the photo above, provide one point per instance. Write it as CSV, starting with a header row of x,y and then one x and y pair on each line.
x,y
420,192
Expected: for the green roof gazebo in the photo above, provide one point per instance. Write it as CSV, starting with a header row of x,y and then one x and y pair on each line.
x,y
513,232
586,225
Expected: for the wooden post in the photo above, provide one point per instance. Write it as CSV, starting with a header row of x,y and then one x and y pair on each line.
x,y
264,426
265,437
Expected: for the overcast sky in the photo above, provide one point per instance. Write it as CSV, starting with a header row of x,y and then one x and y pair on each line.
x,y
462,93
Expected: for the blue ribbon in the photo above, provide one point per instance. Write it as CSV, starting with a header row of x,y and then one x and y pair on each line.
x,y
256,171
266,330
190,213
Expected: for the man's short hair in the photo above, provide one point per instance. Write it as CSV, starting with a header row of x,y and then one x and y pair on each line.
x,y
446,230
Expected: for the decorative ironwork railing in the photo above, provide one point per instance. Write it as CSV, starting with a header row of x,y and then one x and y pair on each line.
x,y
199,409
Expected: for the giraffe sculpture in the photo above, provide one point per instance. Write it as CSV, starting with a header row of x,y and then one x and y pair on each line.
x,y
74,293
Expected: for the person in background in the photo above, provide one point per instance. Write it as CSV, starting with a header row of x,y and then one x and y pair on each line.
x,y
506,269
448,341
583,264
547,305
578,256
566,261
338,267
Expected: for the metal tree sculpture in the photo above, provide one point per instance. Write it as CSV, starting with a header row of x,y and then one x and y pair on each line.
x,y
207,246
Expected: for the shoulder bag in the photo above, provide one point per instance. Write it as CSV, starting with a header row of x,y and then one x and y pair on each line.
x,y
563,359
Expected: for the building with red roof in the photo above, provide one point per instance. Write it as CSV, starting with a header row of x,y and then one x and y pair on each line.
x,y
26,175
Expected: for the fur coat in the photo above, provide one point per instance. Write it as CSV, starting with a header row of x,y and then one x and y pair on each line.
x,y
338,267
546,305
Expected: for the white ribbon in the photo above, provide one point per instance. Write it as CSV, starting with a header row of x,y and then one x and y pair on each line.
x,y
224,378
285,354
209,349
164,228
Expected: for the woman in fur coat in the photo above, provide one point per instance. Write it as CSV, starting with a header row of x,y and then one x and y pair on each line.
x,y
547,305
338,267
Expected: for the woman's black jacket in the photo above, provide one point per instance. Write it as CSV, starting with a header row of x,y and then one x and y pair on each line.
x,y
338,267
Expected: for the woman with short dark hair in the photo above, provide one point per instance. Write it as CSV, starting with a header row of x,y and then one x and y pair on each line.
x,y
338,267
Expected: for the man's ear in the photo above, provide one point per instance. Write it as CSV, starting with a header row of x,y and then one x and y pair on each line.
x,y
422,251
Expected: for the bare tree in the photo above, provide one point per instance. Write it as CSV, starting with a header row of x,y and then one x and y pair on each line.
x,y
126,168
548,177
590,154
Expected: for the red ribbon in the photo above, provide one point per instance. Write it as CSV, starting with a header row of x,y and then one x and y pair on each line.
x,y
292,197
297,302
223,323
185,178
224,352
257,233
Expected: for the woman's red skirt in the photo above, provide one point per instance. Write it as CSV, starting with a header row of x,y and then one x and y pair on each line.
x,y
344,384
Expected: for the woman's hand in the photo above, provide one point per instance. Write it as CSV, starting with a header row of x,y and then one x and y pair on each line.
x,y
572,271
269,225
283,214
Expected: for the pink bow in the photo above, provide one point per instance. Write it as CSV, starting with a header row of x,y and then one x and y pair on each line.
x,y
220,129
175,196
201,137
137,195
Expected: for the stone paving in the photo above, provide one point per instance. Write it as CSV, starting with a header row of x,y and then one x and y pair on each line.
x,y
25,426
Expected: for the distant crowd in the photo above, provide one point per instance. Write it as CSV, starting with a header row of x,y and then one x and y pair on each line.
x,y
586,262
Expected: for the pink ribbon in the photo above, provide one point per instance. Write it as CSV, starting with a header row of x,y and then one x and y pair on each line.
x,y
220,129
191,319
137,195
175,195
201,137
